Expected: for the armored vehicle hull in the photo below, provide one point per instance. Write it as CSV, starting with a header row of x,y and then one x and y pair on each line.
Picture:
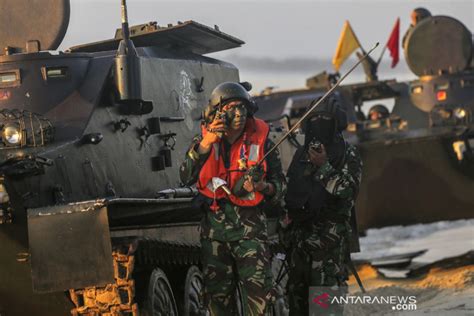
x,y
414,181
93,217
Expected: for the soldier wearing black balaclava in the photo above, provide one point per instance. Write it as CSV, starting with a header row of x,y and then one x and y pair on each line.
x,y
323,181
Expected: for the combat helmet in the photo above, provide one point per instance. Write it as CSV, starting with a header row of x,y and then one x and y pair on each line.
x,y
226,92
419,14
381,110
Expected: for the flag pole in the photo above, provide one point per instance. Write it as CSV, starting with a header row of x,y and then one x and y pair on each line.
x,y
381,54
358,42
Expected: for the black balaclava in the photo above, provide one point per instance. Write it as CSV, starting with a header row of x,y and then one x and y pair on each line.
x,y
320,128
325,123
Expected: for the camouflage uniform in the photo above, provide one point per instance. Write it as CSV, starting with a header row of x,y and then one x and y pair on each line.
x,y
319,245
234,243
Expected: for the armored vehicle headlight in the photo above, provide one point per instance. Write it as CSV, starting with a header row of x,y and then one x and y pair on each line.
x,y
460,113
11,135
4,198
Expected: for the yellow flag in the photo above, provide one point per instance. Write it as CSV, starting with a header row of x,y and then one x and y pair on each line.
x,y
347,44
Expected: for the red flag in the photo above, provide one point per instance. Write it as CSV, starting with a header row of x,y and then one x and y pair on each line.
x,y
392,43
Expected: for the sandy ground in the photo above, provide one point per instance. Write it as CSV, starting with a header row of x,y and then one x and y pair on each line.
x,y
440,292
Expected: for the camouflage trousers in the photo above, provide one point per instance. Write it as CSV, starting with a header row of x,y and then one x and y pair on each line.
x,y
312,267
245,261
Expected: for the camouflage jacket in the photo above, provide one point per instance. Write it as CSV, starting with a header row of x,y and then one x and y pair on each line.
x,y
343,184
232,222
332,224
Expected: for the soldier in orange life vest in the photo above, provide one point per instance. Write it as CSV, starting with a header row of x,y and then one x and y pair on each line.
x,y
234,234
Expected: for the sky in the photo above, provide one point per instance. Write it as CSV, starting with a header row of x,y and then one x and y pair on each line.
x,y
285,39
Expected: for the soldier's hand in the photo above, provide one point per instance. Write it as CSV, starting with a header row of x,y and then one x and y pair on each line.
x,y
248,184
215,130
261,186
285,220
317,158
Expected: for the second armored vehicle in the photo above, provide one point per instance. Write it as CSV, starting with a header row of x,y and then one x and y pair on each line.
x,y
418,157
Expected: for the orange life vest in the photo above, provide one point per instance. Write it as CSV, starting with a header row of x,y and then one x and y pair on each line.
x,y
250,145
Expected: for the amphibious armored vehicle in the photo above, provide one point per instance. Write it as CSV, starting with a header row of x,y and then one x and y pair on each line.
x,y
418,159
93,217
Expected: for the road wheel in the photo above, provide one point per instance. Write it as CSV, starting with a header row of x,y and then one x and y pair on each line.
x,y
160,296
193,287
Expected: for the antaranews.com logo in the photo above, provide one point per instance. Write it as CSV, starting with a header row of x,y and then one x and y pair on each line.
x,y
323,298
